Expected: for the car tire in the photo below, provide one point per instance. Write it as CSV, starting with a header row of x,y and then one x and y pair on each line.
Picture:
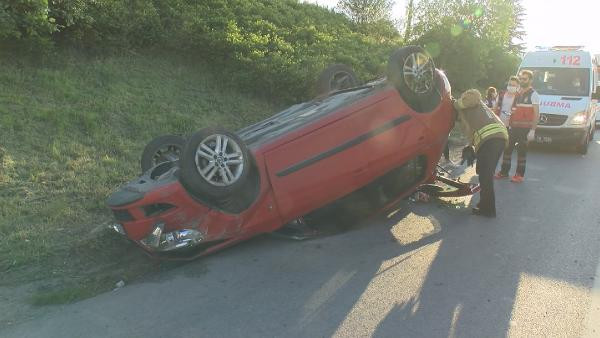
x,y
161,149
412,71
583,148
215,164
336,77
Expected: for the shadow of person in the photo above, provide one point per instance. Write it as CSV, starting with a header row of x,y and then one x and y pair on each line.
x,y
492,276
469,290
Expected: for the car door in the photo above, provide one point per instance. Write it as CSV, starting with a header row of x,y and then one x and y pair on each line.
x,y
318,167
398,135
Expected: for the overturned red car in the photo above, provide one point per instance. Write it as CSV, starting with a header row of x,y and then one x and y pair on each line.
x,y
379,142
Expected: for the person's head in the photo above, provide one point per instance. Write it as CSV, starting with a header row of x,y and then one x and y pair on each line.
x,y
491,92
525,78
470,98
513,84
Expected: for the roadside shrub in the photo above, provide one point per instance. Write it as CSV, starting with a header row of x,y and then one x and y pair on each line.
x,y
273,48
278,48
25,19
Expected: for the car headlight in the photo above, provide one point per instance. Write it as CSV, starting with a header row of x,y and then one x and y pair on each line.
x,y
579,118
158,240
154,238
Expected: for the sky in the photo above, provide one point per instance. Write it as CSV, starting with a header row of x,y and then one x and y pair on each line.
x,y
547,22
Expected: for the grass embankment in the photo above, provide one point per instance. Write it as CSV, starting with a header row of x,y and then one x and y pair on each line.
x,y
70,133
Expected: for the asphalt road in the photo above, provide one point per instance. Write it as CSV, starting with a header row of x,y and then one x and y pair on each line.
x,y
427,270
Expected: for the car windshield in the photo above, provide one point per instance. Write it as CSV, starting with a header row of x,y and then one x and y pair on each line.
x,y
561,81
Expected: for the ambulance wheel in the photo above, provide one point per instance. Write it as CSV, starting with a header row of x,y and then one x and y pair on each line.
x,y
583,148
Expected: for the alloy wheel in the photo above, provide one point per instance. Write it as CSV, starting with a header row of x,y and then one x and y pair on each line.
x,y
219,160
418,72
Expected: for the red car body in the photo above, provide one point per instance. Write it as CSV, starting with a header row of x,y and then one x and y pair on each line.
x,y
306,157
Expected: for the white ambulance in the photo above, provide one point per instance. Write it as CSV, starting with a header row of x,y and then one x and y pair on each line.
x,y
565,78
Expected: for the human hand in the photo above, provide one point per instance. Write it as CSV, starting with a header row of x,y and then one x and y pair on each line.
x,y
468,155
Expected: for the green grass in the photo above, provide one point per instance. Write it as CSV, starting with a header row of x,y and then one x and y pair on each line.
x,y
71,132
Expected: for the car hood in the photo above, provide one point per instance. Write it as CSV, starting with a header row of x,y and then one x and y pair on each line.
x,y
563,105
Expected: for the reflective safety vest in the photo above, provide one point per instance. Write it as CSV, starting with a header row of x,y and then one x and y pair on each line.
x,y
481,124
492,130
523,115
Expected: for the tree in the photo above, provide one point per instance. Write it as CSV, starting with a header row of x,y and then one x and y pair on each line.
x,y
475,41
498,21
366,11
410,9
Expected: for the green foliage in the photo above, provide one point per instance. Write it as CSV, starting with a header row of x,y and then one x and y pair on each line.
x,y
25,19
70,134
275,48
366,11
472,40
278,48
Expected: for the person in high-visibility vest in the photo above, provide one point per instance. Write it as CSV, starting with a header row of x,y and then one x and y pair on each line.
x,y
522,124
487,136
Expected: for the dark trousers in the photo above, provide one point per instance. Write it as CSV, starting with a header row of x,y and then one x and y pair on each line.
x,y
488,156
516,136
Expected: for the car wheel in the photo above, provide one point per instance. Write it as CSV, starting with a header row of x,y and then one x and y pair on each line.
x,y
336,77
215,163
161,149
583,148
412,71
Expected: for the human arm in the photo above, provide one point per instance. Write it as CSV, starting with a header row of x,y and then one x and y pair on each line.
x,y
535,102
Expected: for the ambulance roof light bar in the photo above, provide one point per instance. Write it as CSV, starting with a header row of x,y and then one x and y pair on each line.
x,y
560,48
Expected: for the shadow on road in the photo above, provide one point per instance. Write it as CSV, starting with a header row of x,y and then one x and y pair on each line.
x,y
423,270
544,233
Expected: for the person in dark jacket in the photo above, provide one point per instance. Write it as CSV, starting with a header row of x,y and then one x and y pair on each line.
x,y
491,98
488,138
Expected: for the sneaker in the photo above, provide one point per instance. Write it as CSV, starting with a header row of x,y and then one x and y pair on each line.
x,y
517,179
500,176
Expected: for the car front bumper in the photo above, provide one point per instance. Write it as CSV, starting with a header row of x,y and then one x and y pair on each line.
x,y
564,136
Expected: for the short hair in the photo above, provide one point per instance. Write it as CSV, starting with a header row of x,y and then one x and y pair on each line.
x,y
528,73
470,98
491,90
513,78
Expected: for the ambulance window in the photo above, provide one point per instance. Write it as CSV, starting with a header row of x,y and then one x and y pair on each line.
x,y
561,81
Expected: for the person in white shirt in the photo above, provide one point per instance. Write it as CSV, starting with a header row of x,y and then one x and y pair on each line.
x,y
506,99
522,124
